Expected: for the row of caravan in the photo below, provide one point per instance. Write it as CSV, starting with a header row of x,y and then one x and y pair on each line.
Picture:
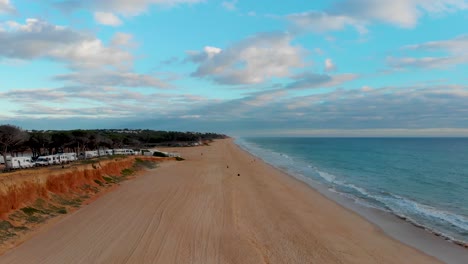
x,y
106,152
27,162
61,158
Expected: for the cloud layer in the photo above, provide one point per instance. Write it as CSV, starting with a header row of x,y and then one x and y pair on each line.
x,y
250,61
360,13
455,53
427,107
6,7
124,7
38,39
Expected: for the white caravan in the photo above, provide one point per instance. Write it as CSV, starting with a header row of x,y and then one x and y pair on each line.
x,y
105,152
71,156
47,160
19,162
124,152
62,158
91,154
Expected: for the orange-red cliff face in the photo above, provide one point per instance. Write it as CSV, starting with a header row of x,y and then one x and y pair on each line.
x,y
21,188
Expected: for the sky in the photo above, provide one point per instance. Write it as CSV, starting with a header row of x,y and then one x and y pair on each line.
x,y
263,68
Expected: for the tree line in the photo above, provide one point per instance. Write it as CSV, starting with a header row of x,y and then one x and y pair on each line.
x,y
13,139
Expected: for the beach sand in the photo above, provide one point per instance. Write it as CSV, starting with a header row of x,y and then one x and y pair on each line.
x,y
220,205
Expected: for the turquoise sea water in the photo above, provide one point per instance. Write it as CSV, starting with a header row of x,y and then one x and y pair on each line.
x,y
424,180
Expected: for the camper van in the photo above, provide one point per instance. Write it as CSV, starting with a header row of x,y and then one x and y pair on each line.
x,y
62,158
91,154
124,152
105,152
19,162
71,156
47,160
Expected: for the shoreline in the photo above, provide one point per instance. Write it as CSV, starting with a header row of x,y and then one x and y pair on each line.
x,y
403,230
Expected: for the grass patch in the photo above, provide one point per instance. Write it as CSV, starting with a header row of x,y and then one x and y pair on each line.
x,y
88,161
31,211
127,172
6,231
113,179
62,210
98,182
5,225
179,159
68,202
35,219
149,164
108,179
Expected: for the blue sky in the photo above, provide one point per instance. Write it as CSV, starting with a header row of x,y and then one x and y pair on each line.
x,y
339,68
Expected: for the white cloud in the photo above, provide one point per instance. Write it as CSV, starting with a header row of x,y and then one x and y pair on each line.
x,y
108,19
38,39
329,65
114,79
318,21
230,5
456,45
212,51
6,7
359,13
454,53
122,40
251,61
123,7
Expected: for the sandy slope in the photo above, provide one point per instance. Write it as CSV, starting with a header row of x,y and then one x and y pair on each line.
x,y
201,211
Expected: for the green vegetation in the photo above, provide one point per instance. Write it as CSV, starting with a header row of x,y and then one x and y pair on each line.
x,y
108,179
38,212
7,230
149,164
73,202
31,211
179,159
5,225
41,142
127,172
113,179
98,182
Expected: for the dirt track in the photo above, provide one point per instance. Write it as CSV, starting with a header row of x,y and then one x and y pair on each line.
x,y
201,211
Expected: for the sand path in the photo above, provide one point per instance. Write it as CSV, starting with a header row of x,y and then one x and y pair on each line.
x,y
201,211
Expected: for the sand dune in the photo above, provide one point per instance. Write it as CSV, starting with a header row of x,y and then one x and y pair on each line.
x,y
219,206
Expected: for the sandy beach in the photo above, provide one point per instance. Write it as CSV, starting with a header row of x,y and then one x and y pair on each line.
x,y
220,205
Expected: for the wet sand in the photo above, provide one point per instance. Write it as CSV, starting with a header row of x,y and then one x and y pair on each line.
x,y
220,205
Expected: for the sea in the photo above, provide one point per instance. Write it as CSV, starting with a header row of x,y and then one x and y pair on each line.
x,y
421,180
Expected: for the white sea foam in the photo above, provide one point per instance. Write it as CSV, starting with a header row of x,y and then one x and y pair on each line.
x,y
327,176
408,207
